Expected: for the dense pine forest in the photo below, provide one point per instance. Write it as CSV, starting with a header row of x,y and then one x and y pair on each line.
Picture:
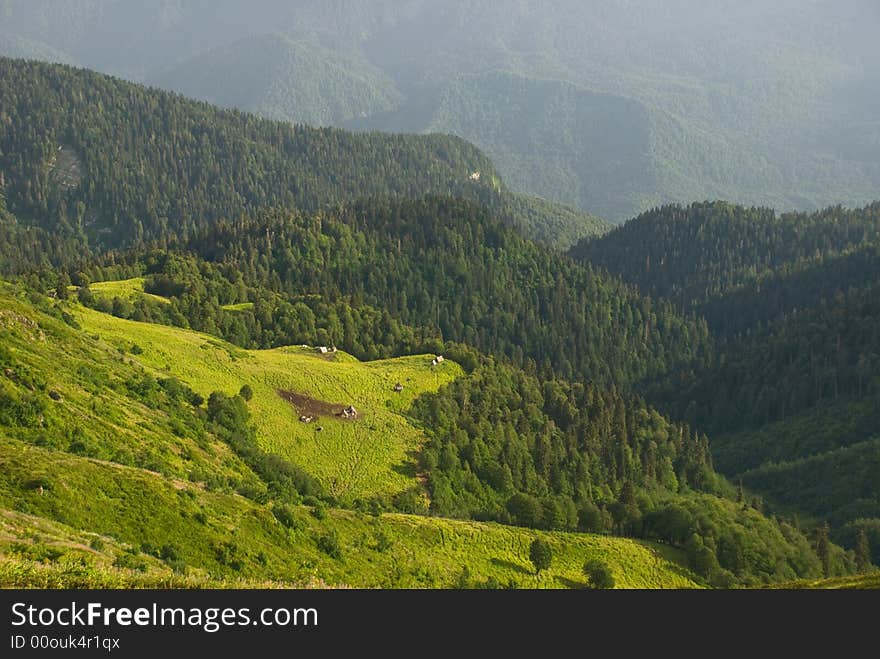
x,y
581,404
114,164
790,393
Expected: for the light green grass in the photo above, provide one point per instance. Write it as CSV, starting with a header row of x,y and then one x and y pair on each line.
x,y
855,582
125,289
155,478
126,507
241,306
92,404
352,459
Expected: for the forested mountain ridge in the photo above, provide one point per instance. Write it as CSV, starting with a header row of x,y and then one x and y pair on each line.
x,y
144,163
695,254
449,267
767,103
114,163
792,303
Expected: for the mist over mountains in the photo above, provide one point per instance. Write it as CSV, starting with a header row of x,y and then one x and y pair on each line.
x,y
610,105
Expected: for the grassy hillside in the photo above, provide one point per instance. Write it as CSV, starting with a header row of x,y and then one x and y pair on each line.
x,y
856,582
125,289
352,459
109,477
133,516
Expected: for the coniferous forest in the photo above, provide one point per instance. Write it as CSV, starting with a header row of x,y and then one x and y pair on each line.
x,y
703,378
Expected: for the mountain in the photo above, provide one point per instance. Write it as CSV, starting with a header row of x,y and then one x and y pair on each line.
x,y
173,498
276,77
106,160
175,271
15,46
789,393
758,103
549,138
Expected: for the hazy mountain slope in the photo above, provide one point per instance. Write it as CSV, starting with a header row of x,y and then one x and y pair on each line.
x,y
756,102
12,45
278,78
548,138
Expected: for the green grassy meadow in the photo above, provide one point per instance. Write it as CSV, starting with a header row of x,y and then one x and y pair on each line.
x,y
353,459
854,582
106,481
125,289
132,514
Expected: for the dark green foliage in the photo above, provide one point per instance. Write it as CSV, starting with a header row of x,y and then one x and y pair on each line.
x,y
827,484
151,161
230,555
696,254
540,554
284,514
862,534
789,393
24,410
599,575
863,551
729,544
329,544
246,392
506,446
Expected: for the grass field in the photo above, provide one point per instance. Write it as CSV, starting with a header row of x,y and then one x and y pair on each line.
x,y
132,514
241,306
104,484
365,457
126,289
855,582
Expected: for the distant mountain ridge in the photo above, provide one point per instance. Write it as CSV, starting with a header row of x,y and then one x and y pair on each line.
x,y
759,103
276,77
117,163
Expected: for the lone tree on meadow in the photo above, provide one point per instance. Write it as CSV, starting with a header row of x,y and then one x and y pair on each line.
x,y
246,392
598,575
540,554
